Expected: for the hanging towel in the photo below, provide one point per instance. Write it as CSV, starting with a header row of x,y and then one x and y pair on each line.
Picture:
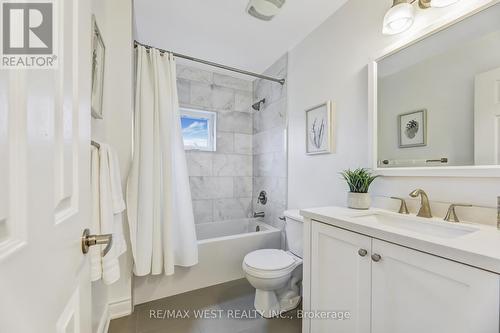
x,y
110,207
95,228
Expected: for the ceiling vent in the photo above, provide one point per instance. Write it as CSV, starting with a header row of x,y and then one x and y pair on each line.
x,y
264,9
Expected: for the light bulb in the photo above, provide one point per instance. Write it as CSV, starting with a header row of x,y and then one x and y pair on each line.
x,y
398,18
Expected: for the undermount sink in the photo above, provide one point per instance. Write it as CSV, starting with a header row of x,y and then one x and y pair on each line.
x,y
418,225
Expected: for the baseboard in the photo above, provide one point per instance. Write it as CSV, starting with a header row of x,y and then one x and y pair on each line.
x,y
120,308
104,321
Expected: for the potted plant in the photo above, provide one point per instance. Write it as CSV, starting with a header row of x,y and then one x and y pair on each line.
x,y
359,181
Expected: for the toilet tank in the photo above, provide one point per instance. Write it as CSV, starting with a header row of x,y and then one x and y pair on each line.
x,y
294,232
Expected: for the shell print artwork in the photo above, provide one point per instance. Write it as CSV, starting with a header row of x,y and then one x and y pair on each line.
x,y
411,129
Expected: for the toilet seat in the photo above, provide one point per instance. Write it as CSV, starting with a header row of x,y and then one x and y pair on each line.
x,y
270,263
268,259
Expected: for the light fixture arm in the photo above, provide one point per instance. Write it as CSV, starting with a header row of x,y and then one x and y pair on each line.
x,y
424,4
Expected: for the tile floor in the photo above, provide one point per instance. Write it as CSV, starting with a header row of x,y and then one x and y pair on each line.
x,y
229,302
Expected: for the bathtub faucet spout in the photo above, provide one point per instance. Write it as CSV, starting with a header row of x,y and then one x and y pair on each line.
x,y
259,214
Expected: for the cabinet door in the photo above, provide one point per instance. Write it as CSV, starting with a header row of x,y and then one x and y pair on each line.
x,y
414,292
340,279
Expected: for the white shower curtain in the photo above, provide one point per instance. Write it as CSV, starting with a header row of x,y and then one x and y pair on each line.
x,y
159,203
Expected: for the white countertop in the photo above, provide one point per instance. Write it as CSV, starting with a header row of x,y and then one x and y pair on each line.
x,y
479,249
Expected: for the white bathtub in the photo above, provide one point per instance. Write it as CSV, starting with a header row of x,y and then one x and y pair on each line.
x,y
221,247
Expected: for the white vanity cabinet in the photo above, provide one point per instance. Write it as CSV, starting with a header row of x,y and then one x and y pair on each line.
x,y
340,278
404,291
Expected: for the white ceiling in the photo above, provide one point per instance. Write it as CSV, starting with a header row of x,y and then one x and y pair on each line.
x,y
222,31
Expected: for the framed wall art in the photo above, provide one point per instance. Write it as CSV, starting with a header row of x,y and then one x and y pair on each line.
x,y
413,129
98,61
319,129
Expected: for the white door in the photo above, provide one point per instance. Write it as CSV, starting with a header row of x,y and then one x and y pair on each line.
x,y
413,292
44,186
487,118
340,279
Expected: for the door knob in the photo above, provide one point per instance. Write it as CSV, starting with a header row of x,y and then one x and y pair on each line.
x,y
362,252
89,240
376,257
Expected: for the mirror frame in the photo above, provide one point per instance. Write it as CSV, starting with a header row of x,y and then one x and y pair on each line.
x,y
467,9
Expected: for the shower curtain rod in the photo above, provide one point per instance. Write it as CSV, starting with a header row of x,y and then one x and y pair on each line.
x,y
214,64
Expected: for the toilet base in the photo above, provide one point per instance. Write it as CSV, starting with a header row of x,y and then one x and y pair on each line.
x,y
290,303
266,303
270,304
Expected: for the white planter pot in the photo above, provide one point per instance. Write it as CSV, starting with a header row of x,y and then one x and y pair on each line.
x,y
358,200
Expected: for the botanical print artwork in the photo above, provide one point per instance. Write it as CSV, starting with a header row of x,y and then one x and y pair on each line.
x,y
317,134
412,129
318,129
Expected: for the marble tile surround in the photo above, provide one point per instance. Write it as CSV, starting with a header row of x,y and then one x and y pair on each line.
x,y
221,182
270,144
251,146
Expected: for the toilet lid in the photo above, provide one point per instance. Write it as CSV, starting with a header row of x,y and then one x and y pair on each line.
x,y
268,259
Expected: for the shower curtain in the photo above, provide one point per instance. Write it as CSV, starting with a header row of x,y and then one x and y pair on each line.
x,y
159,205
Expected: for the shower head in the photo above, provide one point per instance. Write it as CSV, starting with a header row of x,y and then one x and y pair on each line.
x,y
258,105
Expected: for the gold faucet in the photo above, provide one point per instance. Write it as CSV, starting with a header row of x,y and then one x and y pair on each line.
x,y
451,215
425,208
403,209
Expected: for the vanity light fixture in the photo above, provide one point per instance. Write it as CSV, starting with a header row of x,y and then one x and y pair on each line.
x,y
424,4
399,17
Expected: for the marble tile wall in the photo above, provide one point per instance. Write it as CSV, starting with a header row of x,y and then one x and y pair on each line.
x,y
221,181
270,144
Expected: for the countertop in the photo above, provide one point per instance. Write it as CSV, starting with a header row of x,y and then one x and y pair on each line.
x,y
480,249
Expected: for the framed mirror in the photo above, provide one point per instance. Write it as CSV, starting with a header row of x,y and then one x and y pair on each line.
x,y
435,102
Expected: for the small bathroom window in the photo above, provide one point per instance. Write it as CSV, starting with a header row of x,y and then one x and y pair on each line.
x,y
198,129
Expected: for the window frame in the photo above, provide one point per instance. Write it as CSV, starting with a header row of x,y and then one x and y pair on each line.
x,y
211,117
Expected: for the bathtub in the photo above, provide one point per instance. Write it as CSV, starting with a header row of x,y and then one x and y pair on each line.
x,y
221,249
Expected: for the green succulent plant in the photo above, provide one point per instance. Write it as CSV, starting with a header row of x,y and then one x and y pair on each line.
x,y
359,180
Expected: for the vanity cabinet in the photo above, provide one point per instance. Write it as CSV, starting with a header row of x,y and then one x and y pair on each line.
x,y
393,289
340,278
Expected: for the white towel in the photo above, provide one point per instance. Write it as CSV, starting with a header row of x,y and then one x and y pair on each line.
x,y
110,207
95,228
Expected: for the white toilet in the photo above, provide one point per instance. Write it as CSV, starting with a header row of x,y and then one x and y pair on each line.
x,y
276,274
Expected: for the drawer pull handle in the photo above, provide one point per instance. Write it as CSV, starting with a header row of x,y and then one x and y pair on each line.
x,y
376,257
362,252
